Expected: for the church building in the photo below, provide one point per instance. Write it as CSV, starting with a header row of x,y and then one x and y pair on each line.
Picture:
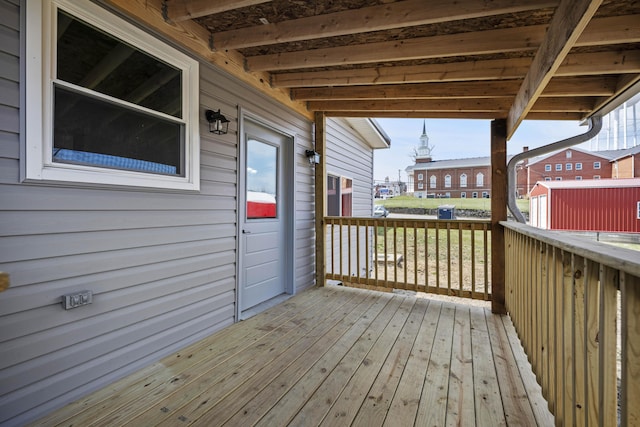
x,y
456,178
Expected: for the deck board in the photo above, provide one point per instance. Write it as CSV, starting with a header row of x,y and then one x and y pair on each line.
x,y
334,356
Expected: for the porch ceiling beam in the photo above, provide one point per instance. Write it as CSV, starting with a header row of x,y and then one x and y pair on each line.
x,y
564,86
623,83
471,43
374,18
597,63
568,22
495,105
623,29
452,115
195,38
182,10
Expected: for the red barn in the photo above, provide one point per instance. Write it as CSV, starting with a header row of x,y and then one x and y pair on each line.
x,y
591,205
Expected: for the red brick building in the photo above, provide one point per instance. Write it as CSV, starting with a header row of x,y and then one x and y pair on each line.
x,y
458,178
461,178
578,164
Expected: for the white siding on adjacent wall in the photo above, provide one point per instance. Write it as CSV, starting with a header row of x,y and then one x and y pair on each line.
x,y
161,265
349,155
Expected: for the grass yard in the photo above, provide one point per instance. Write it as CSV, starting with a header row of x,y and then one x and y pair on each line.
x,y
444,258
468,203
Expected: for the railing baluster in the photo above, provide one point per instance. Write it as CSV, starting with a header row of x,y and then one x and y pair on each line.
x,y
426,256
340,246
569,356
367,246
386,257
630,324
405,260
607,343
395,251
486,262
437,256
460,264
544,318
579,344
349,261
592,365
473,260
415,256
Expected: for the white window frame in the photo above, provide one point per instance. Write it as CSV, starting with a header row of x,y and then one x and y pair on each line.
x,y
547,178
596,176
558,166
41,49
479,179
558,178
474,195
568,154
463,195
547,167
420,177
420,186
568,166
447,181
638,210
578,166
463,180
433,181
578,178
596,165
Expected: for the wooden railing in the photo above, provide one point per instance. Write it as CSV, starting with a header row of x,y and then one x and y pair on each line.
x,y
565,295
449,257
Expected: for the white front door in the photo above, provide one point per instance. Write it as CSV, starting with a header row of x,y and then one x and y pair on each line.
x,y
263,215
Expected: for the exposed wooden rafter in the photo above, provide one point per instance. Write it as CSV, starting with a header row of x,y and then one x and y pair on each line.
x,y
616,30
181,10
499,106
568,23
499,59
564,86
576,64
373,18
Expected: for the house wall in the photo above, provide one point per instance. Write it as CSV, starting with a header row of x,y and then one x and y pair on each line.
x,y
537,170
161,264
355,161
455,190
627,167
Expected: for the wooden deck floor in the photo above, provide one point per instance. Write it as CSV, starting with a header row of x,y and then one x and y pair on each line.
x,y
334,356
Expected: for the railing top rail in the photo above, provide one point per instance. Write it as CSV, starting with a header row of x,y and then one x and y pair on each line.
x,y
407,221
622,259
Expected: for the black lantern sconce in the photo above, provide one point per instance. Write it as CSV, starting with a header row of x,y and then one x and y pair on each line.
x,y
218,123
314,158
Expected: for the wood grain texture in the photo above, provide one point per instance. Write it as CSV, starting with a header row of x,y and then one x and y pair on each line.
x,y
332,356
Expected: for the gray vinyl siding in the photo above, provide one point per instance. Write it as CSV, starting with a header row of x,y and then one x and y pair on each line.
x,y
349,155
161,265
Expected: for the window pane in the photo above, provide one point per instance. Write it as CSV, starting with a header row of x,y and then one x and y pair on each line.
x,y
346,190
262,179
114,68
333,195
93,132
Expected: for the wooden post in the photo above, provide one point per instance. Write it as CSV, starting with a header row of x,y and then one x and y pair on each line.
x,y
498,212
320,196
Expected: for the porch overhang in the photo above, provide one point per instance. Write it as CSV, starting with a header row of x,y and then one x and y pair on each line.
x,y
513,60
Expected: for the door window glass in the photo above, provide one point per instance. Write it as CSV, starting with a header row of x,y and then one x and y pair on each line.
x,y
262,180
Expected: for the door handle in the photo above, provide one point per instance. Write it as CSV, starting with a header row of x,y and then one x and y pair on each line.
x,y
246,232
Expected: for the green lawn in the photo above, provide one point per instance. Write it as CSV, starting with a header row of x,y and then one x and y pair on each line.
x,y
474,204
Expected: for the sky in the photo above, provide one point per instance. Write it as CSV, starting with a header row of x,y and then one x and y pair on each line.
x,y
459,139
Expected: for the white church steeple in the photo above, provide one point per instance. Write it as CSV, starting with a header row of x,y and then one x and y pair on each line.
x,y
423,152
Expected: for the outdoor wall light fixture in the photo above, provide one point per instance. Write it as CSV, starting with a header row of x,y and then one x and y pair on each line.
x,y
218,123
314,158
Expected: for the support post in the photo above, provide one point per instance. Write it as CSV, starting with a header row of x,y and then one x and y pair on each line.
x,y
499,189
320,196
